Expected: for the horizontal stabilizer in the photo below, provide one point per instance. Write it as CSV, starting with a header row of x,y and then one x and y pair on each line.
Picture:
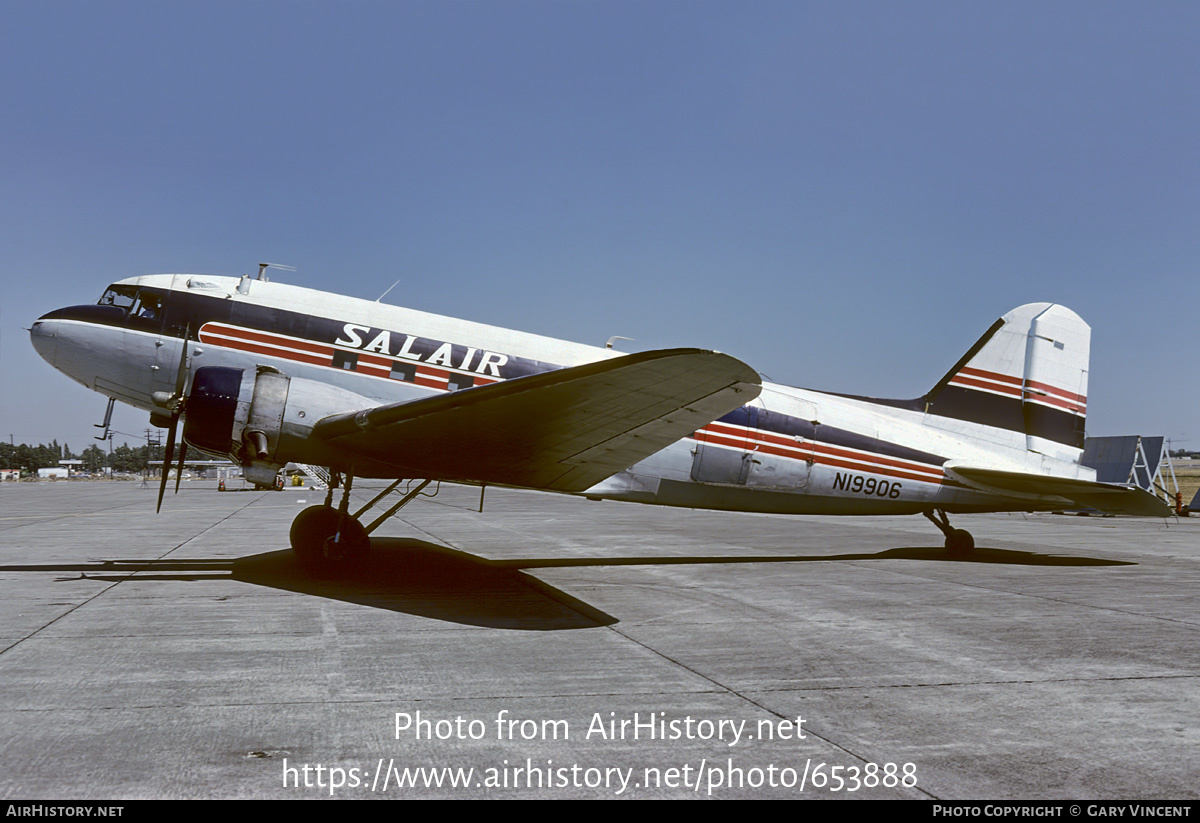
x,y
563,430
1087,494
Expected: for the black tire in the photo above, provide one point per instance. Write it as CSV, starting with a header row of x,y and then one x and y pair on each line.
x,y
317,544
309,531
959,543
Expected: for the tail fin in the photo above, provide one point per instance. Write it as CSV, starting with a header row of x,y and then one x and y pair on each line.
x,y
1027,374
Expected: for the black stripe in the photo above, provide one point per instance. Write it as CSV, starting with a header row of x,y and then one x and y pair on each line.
x,y
981,407
985,408
1054,424
183,310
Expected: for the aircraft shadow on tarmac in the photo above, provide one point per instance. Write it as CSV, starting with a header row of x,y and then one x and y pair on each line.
x,y
425,579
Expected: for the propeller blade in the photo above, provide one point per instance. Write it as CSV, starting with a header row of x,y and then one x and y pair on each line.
x,y
180,379
179,469
181,372
166,464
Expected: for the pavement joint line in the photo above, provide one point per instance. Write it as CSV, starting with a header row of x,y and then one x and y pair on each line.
x,y
1034,596
383,701
113,585
1113,679
540,697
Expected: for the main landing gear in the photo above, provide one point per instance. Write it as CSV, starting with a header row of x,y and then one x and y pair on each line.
x,y
959,542
322,536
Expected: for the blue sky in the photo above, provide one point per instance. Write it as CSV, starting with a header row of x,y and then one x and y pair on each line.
x,y
845,195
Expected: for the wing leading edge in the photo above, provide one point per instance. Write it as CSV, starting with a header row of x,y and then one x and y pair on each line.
x,y
564,430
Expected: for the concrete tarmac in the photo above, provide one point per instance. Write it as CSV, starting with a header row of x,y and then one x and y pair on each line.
x,y
560,648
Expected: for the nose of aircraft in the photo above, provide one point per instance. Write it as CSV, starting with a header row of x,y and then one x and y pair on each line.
x,y
44,336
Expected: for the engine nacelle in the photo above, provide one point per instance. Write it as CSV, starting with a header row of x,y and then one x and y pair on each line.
x,y
262,418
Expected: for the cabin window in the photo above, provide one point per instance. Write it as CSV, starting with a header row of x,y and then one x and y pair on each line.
x,y
345,359
404,371
461,381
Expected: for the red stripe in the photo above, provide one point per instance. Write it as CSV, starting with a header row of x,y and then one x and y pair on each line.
x,y
376,360
1063,393
990,375
766,437
1016,381
890,473
752,438
979,384
1054,401
832,451
722,439
374,364
318,354
243,345
265,337
870,463
429,378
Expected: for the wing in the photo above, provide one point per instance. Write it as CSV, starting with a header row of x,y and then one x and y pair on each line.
x,y
564,430
1088,494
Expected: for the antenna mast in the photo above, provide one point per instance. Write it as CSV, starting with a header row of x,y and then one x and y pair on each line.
x,y
262,268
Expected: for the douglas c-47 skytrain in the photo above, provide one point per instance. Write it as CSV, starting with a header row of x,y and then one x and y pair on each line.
x,y
269,373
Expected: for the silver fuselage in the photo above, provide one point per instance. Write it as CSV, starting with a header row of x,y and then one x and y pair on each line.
x,y
790,451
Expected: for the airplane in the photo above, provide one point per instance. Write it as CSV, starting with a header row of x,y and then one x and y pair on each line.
x,y
268,373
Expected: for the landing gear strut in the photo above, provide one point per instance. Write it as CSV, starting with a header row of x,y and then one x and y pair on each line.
x,y
959,542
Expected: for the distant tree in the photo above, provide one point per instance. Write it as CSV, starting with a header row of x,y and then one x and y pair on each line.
x,y
48,456
32,458
123,458
94,459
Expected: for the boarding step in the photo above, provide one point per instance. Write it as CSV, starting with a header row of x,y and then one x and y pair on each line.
x,y
318,474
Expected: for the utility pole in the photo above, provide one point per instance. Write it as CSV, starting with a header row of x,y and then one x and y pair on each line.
x,y
151,451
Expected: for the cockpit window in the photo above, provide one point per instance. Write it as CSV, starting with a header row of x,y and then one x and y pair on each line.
x,y
123,297
133,302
